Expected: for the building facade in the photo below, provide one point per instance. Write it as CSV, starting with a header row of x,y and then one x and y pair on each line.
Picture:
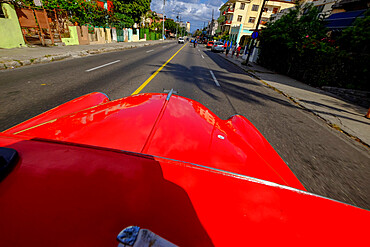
x,y
212,27
188,27
239,18
324,7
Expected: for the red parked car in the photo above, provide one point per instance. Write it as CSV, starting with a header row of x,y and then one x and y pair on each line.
x,y
93,171
210,44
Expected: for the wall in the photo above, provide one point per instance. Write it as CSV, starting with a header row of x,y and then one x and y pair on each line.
x,y
98,37
114,34
129,35
108,35
73,40
83,35
10,30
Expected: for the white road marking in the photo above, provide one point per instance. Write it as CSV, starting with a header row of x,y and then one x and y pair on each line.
x,y
214,78
149,51
101,66
202,55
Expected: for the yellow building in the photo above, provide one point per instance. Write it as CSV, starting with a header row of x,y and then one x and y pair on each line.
x,y
238,18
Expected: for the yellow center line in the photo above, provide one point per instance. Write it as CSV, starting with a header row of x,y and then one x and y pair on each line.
x,y
155,73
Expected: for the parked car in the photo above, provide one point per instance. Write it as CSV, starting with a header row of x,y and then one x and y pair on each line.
x,y
92,172
218,47
210,44
181,40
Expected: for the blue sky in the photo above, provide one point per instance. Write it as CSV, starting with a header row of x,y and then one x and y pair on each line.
x,y
194,11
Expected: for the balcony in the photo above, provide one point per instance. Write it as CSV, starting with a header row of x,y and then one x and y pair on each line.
x,y
230,10
227,22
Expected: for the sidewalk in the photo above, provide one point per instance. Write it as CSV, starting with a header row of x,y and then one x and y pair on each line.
x,y
16,57
341,115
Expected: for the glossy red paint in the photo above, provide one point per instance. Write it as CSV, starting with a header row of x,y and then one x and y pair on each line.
x,y
180,129
72,106
70,195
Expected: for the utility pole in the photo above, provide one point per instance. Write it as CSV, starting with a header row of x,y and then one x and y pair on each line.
x,y
164,3
177,26
212,23
256,30
180,27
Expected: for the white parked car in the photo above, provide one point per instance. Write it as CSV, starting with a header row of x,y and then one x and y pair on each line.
x,y
218,47
181,40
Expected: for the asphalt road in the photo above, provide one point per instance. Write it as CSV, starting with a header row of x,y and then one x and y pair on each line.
x,y
326,161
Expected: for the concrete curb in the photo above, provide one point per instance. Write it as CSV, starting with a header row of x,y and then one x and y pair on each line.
x,y
75,54
297,102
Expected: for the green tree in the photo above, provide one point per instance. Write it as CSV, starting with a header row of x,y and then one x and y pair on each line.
x,y
354,46
298,44
156,26
197,33
283,42
132,8
125,12
169,24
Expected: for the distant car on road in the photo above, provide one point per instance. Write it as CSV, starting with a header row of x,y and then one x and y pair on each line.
x,y
218,47
181,40
210,44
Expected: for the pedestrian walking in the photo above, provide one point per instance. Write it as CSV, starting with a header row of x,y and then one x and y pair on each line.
x,y
227,50
233,49
238,51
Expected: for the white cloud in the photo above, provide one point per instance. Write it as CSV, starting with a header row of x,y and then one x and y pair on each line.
x,y
195,11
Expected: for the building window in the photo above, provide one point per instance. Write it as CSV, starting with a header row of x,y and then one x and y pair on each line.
x,y
255,7
2,12
320,8
242,6
240,18
251,19
265,9
275,10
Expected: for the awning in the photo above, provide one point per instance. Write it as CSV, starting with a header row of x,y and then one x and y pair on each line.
x,y
343,20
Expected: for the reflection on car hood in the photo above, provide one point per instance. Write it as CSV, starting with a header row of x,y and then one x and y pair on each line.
x,y
176,128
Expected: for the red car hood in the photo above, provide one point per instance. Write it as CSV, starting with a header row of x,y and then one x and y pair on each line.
x,y
176,128
61,194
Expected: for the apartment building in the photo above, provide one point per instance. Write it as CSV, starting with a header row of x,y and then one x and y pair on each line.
x,y
324,7
239,18
188,27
